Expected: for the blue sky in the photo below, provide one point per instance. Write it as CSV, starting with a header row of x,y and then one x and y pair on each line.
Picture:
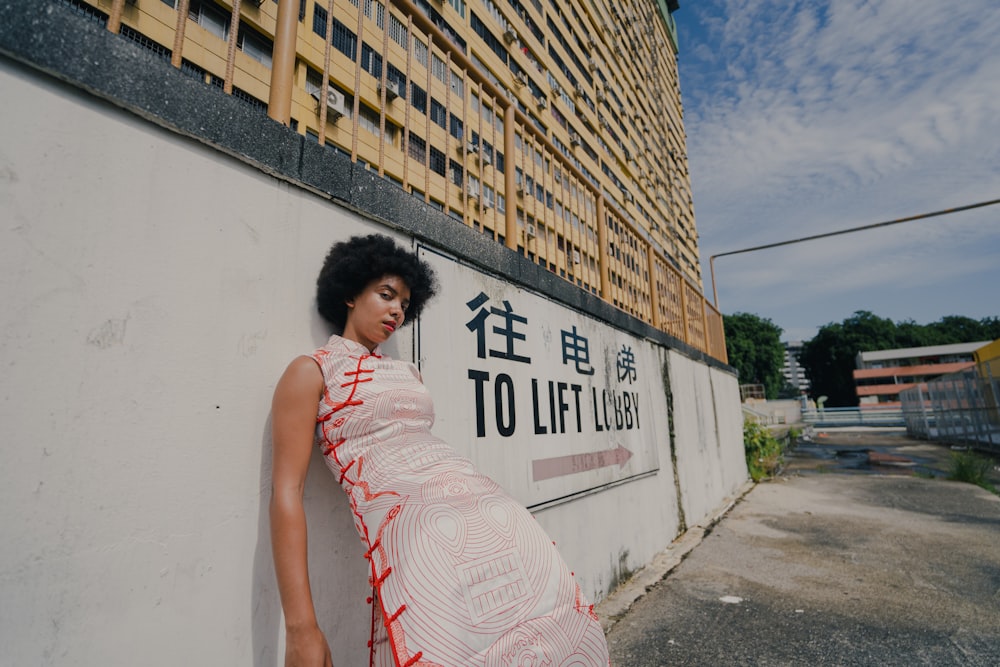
x,y
807,117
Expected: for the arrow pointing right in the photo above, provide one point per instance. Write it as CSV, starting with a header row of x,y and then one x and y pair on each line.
x,y
560,466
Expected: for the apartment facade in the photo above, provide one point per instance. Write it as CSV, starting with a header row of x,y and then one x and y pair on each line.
x,y
792,370
553,127
881,375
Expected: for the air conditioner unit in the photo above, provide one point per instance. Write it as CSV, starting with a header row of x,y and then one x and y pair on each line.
x,y
574,139
543,103
576,256
520,191
485,205
591,42
591,64
520,80
530,230
629,197
484,160
579,91
472,147
471,191
335,102
601,97
509,35
393,89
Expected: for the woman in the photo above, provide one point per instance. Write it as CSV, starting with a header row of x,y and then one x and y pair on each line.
x,y
462,574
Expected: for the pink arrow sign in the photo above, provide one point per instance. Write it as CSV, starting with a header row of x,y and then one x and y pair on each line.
x,y
566,465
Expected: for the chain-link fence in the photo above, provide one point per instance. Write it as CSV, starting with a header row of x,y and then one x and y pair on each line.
x,y
961,407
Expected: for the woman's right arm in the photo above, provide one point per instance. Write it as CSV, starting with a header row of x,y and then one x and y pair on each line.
x,y
293,428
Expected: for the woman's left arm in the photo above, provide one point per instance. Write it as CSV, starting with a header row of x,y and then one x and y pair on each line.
x,y
293,422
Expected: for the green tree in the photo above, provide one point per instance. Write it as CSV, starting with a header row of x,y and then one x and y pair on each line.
x,y
957,329
754,347
829,358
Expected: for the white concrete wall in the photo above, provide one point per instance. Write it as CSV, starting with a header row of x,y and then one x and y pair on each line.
x,y
154,289
709,433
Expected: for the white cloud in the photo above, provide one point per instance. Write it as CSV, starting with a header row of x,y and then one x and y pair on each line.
x,y
807,117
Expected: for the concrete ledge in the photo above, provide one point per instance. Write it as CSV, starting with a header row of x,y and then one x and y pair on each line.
x,y
616,605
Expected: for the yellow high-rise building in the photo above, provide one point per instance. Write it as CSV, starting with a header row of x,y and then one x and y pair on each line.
x,y
531,121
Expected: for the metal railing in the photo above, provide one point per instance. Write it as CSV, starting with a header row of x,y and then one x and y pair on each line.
x,y
961,408
759,417
448,130
853,417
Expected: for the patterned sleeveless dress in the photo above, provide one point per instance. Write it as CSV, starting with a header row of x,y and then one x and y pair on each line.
x,y
462,575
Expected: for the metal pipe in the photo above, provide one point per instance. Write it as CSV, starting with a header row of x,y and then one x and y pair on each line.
x,y
887,223
279,100
177,55
509,186
115,16
654,295
602,248
234,35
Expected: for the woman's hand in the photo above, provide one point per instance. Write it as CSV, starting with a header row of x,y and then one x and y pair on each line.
x,y
307,647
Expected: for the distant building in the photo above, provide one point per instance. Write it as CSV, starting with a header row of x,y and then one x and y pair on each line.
x,y
795,375
880,375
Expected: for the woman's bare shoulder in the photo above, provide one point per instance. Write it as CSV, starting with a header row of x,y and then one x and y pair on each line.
x,y
303,374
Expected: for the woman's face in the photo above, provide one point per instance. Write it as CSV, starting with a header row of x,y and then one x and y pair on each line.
x,y
377,312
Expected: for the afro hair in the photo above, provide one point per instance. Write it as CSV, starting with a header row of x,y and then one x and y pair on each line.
x,y
352,264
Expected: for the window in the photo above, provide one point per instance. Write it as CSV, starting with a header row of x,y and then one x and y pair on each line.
x,y
255,45
369,120
341,37
344,40
497,46
398,32
314,81
371,61
438,114
437,161
457,172
375,10
457,127
438,69
319,20
420,52
494,12
211,17
416,148
397,76
418,98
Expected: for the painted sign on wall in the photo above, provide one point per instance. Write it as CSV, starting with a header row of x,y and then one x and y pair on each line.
x,y
545,400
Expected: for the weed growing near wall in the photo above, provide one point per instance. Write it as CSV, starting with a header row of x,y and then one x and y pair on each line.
x,y
764,452
973,468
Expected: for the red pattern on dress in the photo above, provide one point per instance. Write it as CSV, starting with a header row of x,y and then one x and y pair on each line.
x,y
461,574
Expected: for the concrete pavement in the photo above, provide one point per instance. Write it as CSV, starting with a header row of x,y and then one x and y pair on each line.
x,y
842,567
